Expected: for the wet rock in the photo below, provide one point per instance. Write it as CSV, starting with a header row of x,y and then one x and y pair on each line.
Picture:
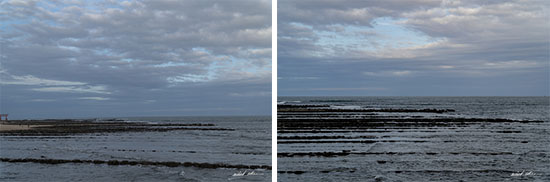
x,y
379,178
296,172
56,127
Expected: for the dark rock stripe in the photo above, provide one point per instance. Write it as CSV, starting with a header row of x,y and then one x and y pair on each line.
x,y
347,141
309,109
320,137
148,163
346,153
56,131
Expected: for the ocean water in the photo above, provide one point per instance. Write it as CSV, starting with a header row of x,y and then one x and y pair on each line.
x,y
473,151
248,144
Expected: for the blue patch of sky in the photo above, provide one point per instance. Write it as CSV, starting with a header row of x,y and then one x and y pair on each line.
x,y
385,32
8,23
169,64
98,6
211,70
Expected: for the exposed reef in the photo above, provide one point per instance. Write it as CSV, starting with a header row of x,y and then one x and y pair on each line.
x,y
133,163
59,127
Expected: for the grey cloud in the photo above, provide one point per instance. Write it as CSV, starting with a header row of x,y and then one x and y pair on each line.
x,y
134,49
351,12
463,42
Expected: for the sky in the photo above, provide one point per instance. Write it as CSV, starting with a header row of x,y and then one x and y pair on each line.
x,y
413,48
108,58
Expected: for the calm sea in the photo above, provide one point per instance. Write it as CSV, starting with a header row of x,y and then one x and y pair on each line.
x,y
248,144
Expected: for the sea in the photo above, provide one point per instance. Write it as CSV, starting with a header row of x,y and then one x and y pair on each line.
x,y
248,144
451,151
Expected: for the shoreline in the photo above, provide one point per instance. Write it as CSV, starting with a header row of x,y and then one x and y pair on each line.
x,y
70,127
19,127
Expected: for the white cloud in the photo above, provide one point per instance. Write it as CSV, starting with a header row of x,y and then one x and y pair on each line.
x,y
32,80
94,98
446,67
75,89
516,64
396,73
189,78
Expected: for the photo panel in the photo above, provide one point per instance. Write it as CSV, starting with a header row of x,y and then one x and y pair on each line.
x,y
115,90
413,90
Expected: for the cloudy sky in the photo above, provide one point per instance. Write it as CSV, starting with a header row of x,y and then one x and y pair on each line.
x,y
67,58
414,47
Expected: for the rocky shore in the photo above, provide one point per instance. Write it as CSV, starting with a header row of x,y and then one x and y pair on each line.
x,y
56,127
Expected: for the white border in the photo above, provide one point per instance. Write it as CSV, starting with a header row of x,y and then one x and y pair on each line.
x,y
274,90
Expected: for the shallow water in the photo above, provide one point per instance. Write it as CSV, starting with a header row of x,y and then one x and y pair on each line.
x,y
248,144
470,152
